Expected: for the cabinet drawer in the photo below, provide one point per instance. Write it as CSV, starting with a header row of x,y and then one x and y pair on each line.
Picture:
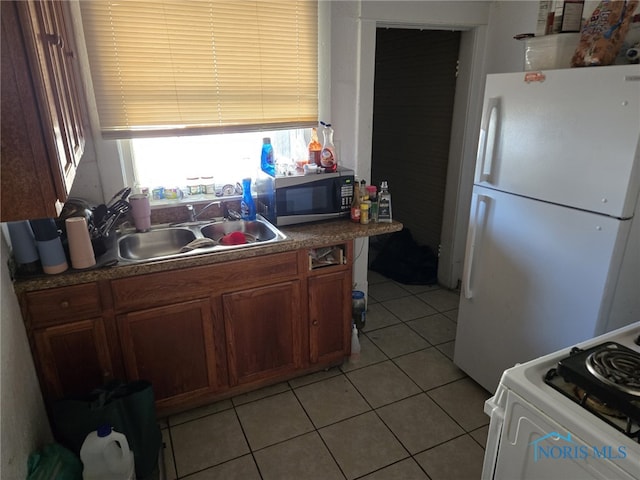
x,y
180,285
59,305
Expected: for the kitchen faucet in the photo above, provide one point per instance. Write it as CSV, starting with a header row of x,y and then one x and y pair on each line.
x,y
226,213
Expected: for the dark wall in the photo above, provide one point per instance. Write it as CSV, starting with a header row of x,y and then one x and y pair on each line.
x,y
414,90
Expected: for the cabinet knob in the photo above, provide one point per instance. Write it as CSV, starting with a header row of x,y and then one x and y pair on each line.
x,y
64,304
314,323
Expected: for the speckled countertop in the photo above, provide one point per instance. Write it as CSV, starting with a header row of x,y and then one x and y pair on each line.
x,y
298,236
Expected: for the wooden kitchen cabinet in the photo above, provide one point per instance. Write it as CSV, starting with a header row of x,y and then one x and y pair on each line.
x,y
329,306
198,334
74,358
329,290
71,330
263,331
173,347
42,129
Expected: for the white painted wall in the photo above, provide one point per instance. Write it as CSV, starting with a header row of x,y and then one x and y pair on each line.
x,y
23,422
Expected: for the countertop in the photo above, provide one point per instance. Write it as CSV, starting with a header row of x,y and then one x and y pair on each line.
x,y
298,236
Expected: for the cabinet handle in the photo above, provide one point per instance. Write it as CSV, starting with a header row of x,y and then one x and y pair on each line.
x,y
64,304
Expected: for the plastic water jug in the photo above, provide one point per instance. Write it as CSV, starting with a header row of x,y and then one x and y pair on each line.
x,y
105,455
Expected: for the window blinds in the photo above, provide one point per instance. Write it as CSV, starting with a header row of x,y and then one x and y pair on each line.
x,y
178,67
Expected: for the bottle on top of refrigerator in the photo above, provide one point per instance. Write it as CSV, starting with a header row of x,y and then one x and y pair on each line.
x,y
247,205
328,159
384,203
267,162
315,148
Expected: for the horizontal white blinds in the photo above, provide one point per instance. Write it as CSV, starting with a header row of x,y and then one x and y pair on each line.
x,y
169,67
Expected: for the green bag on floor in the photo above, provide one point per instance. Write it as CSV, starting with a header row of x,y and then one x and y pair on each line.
x,y
129,408
53,461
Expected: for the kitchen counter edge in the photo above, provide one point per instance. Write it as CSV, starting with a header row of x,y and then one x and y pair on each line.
x,y
298,236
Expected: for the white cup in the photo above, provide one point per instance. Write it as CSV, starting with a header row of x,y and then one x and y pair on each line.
x,y
80,248
140,211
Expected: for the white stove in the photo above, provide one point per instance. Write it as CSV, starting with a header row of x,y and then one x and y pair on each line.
x,y
562,416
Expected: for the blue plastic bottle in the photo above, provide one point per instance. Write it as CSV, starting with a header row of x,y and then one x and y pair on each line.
x,y
247,206
267,162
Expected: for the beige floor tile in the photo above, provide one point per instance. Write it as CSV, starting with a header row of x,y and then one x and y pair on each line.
x,y
199,412
383,383
429,368
386,291
417,289
273,419
167,457
442,300
464,401
459,459
409,308
314,377
419,423
447,349
260,393
379,317
480,435
451,314
304,457
331,400
436,328
369,355
397,340
375,277
362,445
207,441
404,470
243,468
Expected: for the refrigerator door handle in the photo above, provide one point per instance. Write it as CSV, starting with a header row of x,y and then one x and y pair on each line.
x,y
472,240
487,135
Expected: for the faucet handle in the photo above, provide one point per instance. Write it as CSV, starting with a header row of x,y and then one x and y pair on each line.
x,y
192,213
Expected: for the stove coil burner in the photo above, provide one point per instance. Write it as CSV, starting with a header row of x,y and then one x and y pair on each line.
x,y
619,369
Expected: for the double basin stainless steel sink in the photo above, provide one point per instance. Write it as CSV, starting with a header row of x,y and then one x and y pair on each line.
x,y
192,238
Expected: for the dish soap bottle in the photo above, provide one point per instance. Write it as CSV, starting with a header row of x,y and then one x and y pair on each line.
x,y
384,203
328,159
247,206
267,162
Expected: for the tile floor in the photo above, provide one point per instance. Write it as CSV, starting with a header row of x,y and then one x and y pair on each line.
x,y
402,410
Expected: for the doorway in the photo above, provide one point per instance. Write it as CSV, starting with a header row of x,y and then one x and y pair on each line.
x,y
414,92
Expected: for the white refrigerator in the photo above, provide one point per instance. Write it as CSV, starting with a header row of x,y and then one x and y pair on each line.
x,y
553,246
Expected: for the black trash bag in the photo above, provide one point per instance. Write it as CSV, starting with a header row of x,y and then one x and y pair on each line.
x,y
403,260
128,407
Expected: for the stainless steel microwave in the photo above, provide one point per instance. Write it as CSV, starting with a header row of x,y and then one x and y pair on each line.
x,y
288,200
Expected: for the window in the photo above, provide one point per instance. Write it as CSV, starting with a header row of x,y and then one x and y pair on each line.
x,y
178,67
160,154
174,162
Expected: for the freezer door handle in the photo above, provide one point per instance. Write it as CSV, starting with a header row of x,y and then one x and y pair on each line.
x,y
472,240
488,135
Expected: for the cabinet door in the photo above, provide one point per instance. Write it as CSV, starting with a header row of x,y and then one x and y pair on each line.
x,y
56,52
44,141
73,358
263,332
173,347
329,316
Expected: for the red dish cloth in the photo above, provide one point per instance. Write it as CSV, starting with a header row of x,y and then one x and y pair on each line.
x,y
234,238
